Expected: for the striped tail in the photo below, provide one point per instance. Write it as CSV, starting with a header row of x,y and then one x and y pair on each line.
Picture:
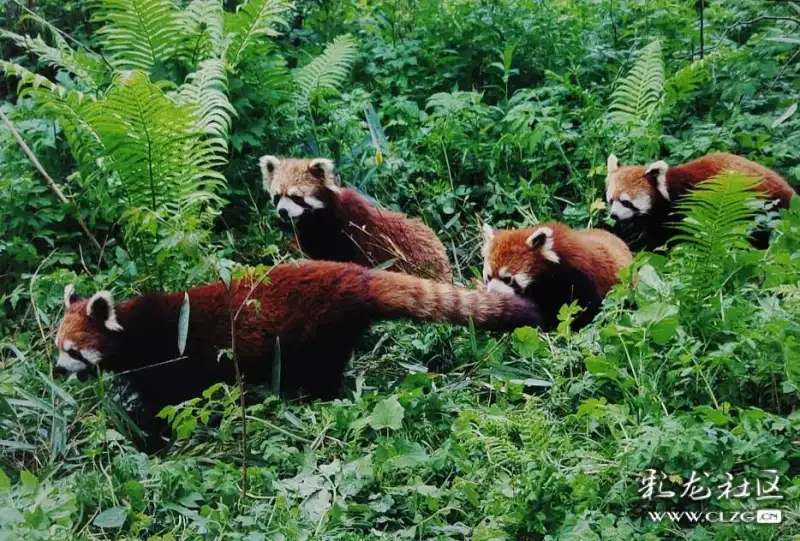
x,y
398,296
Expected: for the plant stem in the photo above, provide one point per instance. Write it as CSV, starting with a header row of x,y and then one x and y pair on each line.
x,y
240,383
50,182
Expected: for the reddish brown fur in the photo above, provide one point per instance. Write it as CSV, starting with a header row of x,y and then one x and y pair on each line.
x,y
597,253
557,268
631,179
369,235
316,311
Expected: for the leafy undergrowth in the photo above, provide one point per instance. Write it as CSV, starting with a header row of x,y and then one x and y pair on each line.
x,y
151,115
677,375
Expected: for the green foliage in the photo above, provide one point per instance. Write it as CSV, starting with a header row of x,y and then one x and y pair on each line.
x,y
137,34
329,70
718,214
637,97
151,117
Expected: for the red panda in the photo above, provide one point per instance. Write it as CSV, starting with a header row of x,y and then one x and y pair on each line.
x,y
315,311
642,197
338,224
553,265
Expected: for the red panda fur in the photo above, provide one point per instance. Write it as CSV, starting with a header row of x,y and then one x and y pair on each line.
x,y
313,312
339,224
651,191
554,265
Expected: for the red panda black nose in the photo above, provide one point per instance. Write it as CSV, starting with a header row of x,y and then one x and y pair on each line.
x,y
283,213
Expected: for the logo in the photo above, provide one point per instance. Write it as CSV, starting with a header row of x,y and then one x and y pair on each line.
x,y
769,516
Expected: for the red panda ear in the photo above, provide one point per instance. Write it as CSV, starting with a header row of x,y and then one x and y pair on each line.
x,y
70,297
267,164
488,235
612,164
100,308
542,240
656,173
322,169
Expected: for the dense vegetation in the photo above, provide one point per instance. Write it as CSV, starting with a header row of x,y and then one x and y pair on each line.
x,y
150,116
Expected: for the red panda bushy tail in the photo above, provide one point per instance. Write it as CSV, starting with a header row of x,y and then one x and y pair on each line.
x,y
398,296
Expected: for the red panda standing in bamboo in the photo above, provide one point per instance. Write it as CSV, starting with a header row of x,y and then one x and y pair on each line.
x,y
338,224
643,197
554,265
315,311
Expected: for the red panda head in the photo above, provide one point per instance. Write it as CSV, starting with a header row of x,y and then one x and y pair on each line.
x,y
512,259
634,190
297,186
87,334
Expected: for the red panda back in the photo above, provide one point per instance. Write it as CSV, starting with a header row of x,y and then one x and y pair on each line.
x,y
382,235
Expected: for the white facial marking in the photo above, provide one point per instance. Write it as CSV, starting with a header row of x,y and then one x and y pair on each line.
x,y
643,203
291,207
68,363
91,355
313,202
523,279
620,212
487,270
499,287
294,192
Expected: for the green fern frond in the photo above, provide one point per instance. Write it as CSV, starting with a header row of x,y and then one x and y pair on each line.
x,y
637,97
203,30
717,214
328,70
87,68
253,20
154,147
138,33
205,93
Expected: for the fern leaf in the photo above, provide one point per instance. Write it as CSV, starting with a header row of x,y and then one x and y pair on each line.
x,y
138,33
154,147
203,30
87,68
328,70
205,93
637,97
717,215
253,20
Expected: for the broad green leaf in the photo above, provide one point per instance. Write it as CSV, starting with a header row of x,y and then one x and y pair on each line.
x,y
113,517
28,481
387,414
601,367
529,343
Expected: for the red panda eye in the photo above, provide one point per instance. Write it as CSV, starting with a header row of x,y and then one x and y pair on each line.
x,y
508,280
275,199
